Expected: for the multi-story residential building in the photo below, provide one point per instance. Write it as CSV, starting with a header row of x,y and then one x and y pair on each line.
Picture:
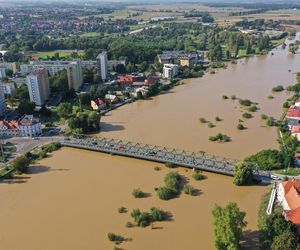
x,y
11,66
2,100
181,58
2,72
9,88
102,65
26,126
74,72
170,70
38,86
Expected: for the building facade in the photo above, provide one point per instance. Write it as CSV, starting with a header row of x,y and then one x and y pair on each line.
x,y
2,72
26,126
74,72
2,100
102,65
38,87
170,70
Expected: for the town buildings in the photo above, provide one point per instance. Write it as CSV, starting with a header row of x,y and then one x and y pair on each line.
x,y
2,72
181,58
2,100
74,72
26,126
102,65
288,194
9,88
38,87
170,70
98,104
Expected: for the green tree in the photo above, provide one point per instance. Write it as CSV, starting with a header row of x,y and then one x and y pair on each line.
x,y
243,174
64,109
21,163
285,241
229,222
26,107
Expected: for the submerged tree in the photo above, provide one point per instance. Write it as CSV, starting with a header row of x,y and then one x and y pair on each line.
x,y
229,222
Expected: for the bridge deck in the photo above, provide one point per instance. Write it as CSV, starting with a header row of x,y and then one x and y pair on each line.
x,y
198,160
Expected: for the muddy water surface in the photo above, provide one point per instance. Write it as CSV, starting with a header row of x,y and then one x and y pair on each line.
x,y
71,199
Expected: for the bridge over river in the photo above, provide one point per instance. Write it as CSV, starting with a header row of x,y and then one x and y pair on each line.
x,y
197,160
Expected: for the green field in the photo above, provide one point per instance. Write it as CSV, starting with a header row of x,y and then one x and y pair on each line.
x,y
90,34
62,54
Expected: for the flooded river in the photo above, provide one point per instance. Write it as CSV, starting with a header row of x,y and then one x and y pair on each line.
x,y
70,200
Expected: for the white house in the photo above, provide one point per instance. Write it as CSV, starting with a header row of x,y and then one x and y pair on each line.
x,y
26,126
170,70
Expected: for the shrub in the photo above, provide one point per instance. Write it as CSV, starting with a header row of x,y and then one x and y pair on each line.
x,y
129,224
278,88
247,115
218,119
240,126
220,138
233,97
138,193
270,97
172,186
122,210
114,237
165,193
156,168
198,176
157,214
245,102
210,125
170,165
143,219
224,97
202,120
286,105
188,189
264,117
21,163
270,121
252,108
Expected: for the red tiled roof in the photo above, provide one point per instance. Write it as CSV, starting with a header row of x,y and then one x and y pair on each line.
x,y
293,215
295,113
288,184
10,124
295,129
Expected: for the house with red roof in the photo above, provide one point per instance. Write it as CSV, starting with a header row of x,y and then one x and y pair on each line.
x,y
295,131
26,126
288,194
293,116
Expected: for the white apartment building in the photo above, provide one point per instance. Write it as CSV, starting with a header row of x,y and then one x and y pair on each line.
x,y
74,72
2,72
102,65
38,86
9,88
170,70
2,100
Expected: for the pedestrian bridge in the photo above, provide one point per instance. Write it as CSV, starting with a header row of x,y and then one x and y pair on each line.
x,y
197,160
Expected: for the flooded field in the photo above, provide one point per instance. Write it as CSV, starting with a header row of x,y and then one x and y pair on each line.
x,y
70,200
172,119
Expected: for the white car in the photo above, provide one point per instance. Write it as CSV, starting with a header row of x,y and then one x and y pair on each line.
x,y
274,177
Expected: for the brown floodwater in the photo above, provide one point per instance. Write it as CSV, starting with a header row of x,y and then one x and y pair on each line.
x,y
70,199
172,119
71,202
